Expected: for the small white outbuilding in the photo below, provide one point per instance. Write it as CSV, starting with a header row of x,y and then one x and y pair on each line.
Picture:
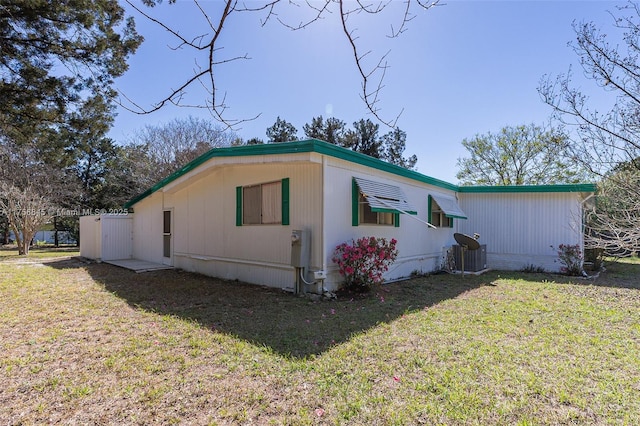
x,y
268,214
106,237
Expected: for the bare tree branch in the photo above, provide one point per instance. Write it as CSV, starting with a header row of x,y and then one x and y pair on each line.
x,y
204,74
607,144
214,104
370,98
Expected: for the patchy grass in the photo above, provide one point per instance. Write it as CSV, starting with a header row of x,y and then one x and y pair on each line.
x,y
10,253
98,344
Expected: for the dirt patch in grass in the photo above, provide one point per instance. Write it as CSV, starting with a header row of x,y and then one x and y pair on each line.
x,y
96,344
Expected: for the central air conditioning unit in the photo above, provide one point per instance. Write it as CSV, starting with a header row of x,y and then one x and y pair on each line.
x,y
474,260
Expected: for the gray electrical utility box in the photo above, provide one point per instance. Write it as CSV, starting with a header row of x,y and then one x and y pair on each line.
x,y
300,248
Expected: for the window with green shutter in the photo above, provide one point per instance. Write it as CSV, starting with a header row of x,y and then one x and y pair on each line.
x,y
263,203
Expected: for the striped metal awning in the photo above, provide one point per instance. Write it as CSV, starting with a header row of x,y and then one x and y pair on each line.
x,y
383,197
449,206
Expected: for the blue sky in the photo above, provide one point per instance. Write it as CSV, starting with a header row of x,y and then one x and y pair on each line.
x,y
461,69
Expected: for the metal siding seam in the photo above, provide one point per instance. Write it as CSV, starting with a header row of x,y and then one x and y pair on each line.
x,y
285,201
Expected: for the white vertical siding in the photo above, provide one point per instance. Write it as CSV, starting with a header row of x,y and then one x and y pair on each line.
x,y
147,228
420,248
207,240
106,237
522,229
116,237
90,237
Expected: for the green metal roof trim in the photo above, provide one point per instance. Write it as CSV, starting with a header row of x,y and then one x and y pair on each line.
x,y
577,187
309,145
321,147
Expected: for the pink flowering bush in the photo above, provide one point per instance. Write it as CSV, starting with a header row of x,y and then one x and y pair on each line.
x,y
571,258
363,262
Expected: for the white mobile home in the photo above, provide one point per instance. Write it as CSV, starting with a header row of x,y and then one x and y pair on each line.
x,y
231,213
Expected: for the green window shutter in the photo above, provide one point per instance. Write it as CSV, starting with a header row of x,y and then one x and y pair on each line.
x,y
238,206
354,203
396,220
450,222
285,201
429,201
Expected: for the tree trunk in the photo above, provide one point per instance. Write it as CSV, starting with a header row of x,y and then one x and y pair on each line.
x,y
24,239
55,231
20,242
23,247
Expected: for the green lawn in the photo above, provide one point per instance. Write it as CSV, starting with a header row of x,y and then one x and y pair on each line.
x,y
39,252
95,344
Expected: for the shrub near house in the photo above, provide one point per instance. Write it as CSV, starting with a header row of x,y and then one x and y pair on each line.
x,y
570,256
363,262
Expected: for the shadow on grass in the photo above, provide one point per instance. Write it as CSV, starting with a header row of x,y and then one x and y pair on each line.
x,y
286,324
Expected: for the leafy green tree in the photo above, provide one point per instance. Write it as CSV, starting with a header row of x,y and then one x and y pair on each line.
x,y
255,141
332,130
83,155
54,53
58,61
114,174
522,155
282,131
129,172
394,144
363,138
87,147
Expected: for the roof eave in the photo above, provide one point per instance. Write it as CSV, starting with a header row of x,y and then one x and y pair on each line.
x,y
325,148
575,187
309,145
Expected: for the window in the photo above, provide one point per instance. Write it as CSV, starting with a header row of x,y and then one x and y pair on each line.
x,y
442,211
378,203
367,216
439,218
263,204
